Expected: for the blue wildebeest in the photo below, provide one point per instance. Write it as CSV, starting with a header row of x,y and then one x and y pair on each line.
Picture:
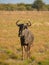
x,y
26,37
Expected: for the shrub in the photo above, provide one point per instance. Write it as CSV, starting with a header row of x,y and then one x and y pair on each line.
x,y
32,58
39,63
13,56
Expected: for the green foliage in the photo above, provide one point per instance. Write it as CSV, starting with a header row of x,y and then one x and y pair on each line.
x,y
28,7
9,52
38,4
39,63
12,7
26,62
45,62
32,58
47,6
21,8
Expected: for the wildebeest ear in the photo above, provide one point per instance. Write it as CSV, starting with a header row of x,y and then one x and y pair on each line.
x,y
29,23
17,23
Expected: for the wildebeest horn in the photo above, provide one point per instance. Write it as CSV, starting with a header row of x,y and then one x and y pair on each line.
x,y
29,23
17,23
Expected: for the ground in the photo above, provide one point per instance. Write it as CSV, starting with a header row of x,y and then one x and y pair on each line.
x,y
10,48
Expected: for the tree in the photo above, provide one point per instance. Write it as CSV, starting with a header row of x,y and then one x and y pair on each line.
x,y
47,6
38,4
28,7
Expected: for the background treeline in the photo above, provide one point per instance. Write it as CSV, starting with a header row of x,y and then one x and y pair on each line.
x,y
12,7
37,5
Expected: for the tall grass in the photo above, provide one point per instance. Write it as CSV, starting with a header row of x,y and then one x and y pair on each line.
x,y
10,42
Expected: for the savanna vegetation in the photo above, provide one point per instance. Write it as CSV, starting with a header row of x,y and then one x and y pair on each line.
x,y
36,5
10,48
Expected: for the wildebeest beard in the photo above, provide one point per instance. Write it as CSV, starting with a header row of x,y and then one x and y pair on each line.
x,y
22,38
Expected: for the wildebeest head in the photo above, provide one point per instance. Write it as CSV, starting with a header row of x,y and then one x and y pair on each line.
x,y
22,27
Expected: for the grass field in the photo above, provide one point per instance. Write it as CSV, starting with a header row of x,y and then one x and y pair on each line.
x,y
10,48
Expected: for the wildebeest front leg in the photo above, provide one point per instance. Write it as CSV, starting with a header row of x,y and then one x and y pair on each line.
x,y
28,51
22,52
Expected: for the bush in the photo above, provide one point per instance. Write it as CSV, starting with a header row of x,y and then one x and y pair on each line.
x,y
13,56
39,63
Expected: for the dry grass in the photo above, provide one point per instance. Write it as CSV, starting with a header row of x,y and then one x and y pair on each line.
x,y
9,40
